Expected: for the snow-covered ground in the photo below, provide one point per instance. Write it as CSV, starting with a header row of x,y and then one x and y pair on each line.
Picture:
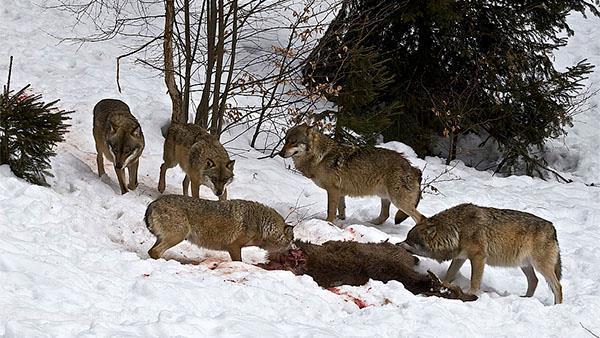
x,y
73,257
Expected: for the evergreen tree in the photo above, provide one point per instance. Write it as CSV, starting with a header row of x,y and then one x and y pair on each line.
x,y
29,132
456,66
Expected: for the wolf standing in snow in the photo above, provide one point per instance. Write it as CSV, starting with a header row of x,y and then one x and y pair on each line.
x,y
497,237
354,171
223,225
118,137
200,155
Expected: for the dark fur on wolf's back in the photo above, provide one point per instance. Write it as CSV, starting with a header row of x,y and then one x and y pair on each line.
x,y
336,263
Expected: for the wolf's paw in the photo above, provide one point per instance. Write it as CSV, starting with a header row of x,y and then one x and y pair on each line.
x,y
378,220
474,292
132,186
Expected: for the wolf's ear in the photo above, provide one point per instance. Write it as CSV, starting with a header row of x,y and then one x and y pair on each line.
x,y
230,164
137,131
209,164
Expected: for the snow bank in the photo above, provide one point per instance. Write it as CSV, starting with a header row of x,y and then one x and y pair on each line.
x,y
73,257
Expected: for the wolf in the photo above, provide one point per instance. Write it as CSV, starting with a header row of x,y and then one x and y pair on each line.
x,y
200,155
345,170
496,237
118,136
216,225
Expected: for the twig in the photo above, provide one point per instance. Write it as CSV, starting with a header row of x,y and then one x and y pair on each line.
x,y
429,184
588,330
294,210
131,53
9,73
273,152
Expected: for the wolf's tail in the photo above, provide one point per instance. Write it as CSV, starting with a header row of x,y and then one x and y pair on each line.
x,y
165,129
558,264
420,176
147,217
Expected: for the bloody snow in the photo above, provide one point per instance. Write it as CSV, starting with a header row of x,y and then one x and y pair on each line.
x,y
73,257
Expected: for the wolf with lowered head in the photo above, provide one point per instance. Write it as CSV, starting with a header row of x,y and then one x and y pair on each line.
x,y
216,225
496,237
200,155
118,136
345,170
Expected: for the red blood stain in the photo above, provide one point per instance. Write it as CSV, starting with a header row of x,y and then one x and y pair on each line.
x,y
359,302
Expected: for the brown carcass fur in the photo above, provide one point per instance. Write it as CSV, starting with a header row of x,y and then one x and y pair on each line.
x,y
336,263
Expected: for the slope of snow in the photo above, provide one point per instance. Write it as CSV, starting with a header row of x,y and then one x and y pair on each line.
x,y
73,257
577,152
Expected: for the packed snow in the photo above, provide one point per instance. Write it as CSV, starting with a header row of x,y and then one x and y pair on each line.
x,y
73,257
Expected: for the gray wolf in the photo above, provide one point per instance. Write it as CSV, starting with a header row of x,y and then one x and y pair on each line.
x,y
200,155
118,137
216,225
345,170
496,237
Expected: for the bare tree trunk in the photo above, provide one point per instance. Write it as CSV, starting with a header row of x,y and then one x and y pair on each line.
x,y
188,58
4,151
211,28
282,70
452,148
234,38
220,54
177,115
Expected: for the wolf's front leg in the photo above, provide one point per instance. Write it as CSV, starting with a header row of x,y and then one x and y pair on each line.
x,y
455,266
100,162
333,199
195,188
235,252
162,179
121,177
132,169
185,185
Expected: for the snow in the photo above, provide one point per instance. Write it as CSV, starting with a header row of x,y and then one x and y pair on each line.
x,y
73,258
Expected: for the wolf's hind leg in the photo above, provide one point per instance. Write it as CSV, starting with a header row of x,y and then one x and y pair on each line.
x,y
548,271
161,179
162,245
166,239
384,213
532,280
333,199
342,208
477,266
